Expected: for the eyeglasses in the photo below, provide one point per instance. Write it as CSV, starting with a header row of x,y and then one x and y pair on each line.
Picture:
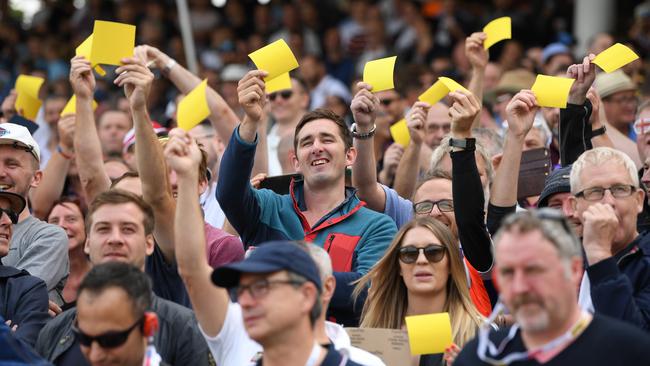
x,y
597,193
110,339
13,216
433,253
386,102
624,100
642,126
425,207
285,94
259,289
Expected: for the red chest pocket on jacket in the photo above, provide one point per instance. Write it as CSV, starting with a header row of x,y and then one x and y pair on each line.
x,y
341,250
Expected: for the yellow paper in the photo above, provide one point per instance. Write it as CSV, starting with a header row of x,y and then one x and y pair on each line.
x,y
71,106
84,50
497,30
615,57
281,82
379,73
440,89
429,334
111,42
552,91
400,133
193,108
275,58
27,100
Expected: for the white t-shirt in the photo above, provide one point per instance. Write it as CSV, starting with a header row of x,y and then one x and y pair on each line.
x,y
232,346
213,214
272,143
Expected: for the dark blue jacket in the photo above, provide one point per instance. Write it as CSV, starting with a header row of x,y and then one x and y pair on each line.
x,y
620,285
14,352
24,301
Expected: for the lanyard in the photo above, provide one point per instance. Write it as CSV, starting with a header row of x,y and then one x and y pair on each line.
x,y
315,354
485,345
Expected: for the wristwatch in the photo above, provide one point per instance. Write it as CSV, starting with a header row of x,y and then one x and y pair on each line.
x,y
468,144
598,132
362,136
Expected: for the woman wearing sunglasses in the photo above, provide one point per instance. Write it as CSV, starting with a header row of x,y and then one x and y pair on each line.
x,y
421,273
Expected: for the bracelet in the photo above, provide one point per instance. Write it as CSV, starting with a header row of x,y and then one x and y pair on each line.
x,y
468,144
64,154
168,66
362,136
598,132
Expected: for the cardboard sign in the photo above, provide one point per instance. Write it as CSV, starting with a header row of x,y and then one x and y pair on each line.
x,y
497,30
27,99
379,73
440,89
615,57
391,345
276,59
111,42
552,91
194,107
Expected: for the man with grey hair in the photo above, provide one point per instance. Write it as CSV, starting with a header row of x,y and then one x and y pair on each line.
x,y
606,198
538,265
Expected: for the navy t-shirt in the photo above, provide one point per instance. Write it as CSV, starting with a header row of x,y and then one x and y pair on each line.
x,y
166,281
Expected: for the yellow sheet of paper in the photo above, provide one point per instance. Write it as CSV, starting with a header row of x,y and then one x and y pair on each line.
x,y
84,50
615,57
111,42
429,334
275,58
193,108
71,106
379,73
400,133
27,100
440,89
281,82
552,91
497,30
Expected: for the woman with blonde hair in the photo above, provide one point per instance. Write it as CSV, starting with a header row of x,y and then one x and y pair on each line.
x,y
422,272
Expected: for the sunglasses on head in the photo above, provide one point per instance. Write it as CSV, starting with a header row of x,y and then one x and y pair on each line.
x,y
285,94
433,253
13,216
110,339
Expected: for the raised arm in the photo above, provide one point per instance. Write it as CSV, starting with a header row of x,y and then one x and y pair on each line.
x,y
478,57
598,139
406,176
88,148
56,170
136,80
364,170
210,303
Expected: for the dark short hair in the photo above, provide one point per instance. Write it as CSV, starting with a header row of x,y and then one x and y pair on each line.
x,y
127,277
127,175
321,113
69,200
118,197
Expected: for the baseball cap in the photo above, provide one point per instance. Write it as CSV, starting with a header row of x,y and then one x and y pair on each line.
x,y
554,49
16,201
129,138
19,136
270,257
557,182
614,82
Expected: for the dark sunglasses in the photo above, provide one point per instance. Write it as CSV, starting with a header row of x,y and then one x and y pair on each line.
x,y
13,216
111,339
433,253
285,94
386,102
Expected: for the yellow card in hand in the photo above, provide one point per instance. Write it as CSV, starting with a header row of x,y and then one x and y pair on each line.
x,y
552,91
429,334
615,57
71,106
400,133
497,30
84,50
193,108
275,58
282,82
440,89
379,73
27,100
111,42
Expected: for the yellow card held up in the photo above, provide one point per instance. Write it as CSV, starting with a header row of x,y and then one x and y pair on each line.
x,y
552,91
71,106
429,334
84,50
194,107
111,42
275,58
27,100
497,30
615,57
440,89
281,82
400,133
379,73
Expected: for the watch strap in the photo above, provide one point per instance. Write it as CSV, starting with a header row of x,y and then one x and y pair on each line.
x,y
468,144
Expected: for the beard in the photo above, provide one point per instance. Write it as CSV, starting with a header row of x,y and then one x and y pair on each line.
x,y
530,313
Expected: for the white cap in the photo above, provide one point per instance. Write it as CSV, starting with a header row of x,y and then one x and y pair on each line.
x,y
19,136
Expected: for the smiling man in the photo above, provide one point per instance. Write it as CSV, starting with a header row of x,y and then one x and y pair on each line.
x,y
319,208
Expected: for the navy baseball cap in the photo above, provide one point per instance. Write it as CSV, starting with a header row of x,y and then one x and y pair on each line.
x,y
557,182
270,257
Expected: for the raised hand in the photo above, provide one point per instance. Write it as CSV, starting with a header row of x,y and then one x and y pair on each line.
x,y
520,113
150,53
9,105
182,153
251,94
66,127
477,55
82,78
584,74
415,120
136,78
600,224
364,107
594,98
463,112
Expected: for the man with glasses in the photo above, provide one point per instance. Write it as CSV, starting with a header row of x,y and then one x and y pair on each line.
x,y
607,199
538,265
392,103
114,324
618,93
